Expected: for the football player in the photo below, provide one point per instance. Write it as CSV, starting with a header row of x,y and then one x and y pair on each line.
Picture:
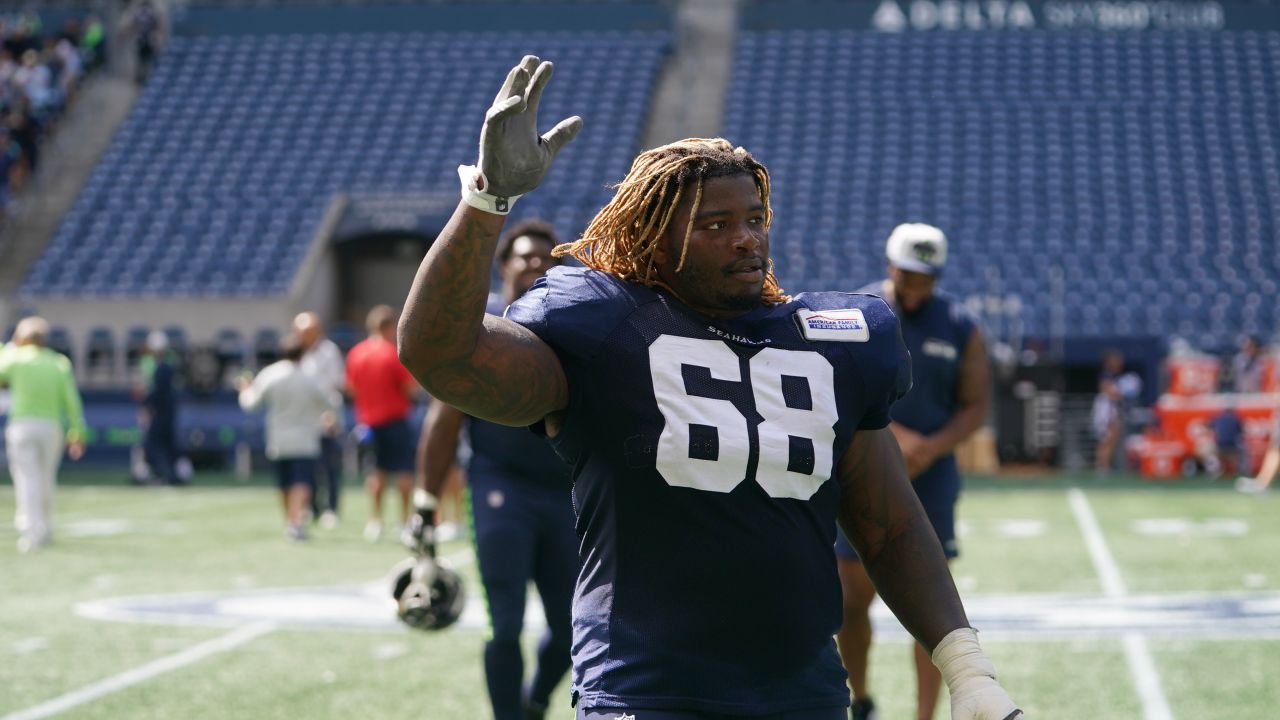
x,y
716,427
522,515
950,394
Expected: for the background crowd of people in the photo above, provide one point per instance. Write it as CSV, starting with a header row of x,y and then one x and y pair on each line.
x,y
41,70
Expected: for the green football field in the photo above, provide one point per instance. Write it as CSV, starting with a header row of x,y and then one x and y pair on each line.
x,y
1097,598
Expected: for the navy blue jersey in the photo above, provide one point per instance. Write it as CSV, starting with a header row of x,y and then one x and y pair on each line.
x,y
936,335
704,455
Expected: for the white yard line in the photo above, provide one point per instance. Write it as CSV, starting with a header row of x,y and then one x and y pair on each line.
x,y
140,674
191,655
1146,678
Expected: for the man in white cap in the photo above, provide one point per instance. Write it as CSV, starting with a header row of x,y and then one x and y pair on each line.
x,y
45,411
950,395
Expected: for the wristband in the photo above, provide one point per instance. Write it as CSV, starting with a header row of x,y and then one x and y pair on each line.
x,y
479,199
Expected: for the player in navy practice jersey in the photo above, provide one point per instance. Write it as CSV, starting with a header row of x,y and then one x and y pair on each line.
x,y
948,401
522,515
716,428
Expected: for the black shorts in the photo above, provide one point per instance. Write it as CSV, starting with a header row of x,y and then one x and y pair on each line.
x,y
296,471
394,446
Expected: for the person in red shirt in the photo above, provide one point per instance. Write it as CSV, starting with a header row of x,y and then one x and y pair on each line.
x,y
383,393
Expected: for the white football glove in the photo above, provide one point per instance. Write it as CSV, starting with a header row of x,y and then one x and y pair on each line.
x,y
513,156
971,677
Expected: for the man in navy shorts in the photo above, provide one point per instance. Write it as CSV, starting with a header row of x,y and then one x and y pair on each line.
x,y
947,403
383,392
296,404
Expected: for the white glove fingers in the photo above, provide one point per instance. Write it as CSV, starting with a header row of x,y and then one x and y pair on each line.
x,y
540,76
562,133
509,87
511,106
505,92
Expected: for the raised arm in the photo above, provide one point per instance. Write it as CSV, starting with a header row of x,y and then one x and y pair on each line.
x,y
483,365
883,519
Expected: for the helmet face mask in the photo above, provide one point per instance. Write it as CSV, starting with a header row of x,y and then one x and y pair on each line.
x,y
428,595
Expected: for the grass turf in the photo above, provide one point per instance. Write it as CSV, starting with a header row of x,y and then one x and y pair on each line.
x,y
1019,536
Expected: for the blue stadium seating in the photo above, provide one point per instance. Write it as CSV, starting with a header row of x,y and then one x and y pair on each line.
x,y
216,183
1141,169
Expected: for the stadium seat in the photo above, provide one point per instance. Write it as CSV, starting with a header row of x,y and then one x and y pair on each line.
x,y
1107,157
250,137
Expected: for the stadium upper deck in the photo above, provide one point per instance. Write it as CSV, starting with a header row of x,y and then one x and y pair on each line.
x,y
1098,183
1117,184
217,182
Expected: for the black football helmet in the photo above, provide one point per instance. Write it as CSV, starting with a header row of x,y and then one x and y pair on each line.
x,y
428,594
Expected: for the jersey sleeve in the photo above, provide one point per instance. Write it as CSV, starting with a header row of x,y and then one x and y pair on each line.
x,y
530,309
896,372
573,310
886,363
877,366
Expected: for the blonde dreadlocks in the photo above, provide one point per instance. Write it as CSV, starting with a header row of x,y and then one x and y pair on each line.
x,y
622,237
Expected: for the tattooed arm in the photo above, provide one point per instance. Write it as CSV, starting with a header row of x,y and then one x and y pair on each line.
x,y
483,365
883,519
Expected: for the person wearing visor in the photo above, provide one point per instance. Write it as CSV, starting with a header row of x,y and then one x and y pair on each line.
x,y
951,388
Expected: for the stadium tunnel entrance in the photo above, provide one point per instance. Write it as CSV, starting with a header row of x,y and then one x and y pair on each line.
x,y
375,269
377,243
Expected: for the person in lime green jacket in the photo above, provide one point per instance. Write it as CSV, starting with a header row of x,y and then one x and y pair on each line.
x,y
44,412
